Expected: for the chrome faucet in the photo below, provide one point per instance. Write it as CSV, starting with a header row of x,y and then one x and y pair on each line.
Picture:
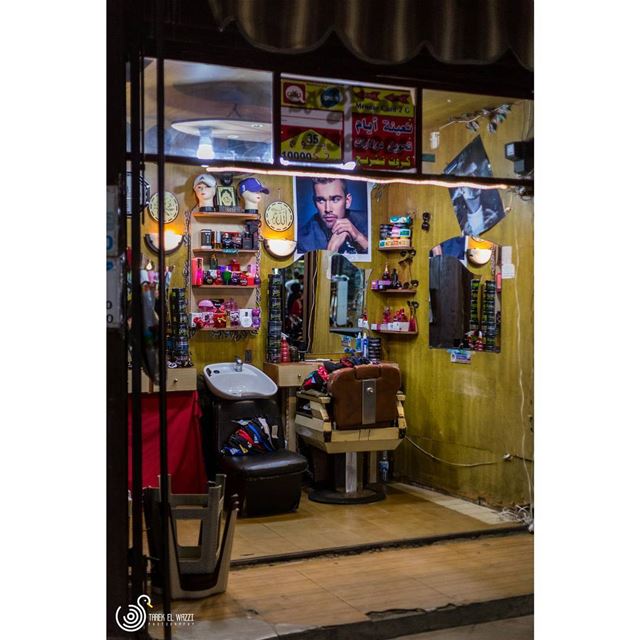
x,y
238,366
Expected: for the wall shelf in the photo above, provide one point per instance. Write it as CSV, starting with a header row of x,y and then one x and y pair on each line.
x,y
395,248
228,252
396,292
226,286
226,216
398,333
219,329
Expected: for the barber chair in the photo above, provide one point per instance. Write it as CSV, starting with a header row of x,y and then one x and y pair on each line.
x,y
361,414
195,571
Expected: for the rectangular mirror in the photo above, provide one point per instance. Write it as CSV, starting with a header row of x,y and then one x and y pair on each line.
x,y
347,296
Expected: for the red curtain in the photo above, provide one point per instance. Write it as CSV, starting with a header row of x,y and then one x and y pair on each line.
x,y
184,445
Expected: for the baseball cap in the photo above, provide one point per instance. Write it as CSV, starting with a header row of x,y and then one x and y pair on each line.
x,y
207,178
251,184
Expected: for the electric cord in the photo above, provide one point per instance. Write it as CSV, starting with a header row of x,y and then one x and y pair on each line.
x,y
453,464
522,419
519,513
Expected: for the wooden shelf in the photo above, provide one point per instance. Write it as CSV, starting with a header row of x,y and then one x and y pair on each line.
x,y
226,216
395,248
229,252
398,333
229,329
226,286
395,292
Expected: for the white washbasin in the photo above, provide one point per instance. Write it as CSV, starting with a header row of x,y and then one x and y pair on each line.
x,y
225,382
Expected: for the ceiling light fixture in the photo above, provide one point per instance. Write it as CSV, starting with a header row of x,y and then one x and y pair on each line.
x,y
205,146
210,129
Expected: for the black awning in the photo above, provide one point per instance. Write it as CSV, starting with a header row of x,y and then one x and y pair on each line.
x,y
388,31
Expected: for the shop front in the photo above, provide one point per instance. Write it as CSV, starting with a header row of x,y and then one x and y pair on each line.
x,y
323,275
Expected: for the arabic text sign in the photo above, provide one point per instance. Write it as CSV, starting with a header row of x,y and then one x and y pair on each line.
x,y
384,142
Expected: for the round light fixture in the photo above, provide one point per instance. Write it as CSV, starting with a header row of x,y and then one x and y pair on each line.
x,y
278,248
479,257
172,242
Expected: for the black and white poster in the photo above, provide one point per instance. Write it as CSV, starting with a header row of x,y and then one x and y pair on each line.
x,y
477,210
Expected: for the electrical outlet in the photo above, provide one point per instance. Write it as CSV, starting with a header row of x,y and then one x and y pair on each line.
x,y
248,356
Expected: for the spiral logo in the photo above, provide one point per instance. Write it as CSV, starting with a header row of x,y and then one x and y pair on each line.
x,y
136,615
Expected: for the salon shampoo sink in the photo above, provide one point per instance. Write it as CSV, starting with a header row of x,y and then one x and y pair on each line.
x,y
225,382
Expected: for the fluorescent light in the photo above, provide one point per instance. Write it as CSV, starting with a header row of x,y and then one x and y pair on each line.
x,y
347,166
462,182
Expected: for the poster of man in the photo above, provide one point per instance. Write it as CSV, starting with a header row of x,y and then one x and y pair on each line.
x,y
477,210
335,215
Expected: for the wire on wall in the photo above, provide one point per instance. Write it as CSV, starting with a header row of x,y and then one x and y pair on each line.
x,y
453,464
521,386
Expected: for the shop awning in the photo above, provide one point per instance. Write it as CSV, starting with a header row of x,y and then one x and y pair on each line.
x,y
388,31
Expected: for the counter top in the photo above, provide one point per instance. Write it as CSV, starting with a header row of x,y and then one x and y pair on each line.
x,y
289,374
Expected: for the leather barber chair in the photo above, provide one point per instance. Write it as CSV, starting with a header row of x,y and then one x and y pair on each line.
x,y
361,414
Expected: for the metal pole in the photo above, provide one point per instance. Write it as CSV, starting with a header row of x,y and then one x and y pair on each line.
x,y
164,471
137,573
276,117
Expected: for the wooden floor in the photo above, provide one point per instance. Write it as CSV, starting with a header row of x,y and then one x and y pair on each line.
x,y
277,598
406,513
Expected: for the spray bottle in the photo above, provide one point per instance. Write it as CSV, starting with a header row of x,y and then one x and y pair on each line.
x,y
383,466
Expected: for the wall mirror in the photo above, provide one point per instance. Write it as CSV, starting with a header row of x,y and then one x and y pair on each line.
x,y
324,295
295,306
465,310
347,295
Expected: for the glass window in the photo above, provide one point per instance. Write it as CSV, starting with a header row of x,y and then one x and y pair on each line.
x,y
351,125
212,112
466,134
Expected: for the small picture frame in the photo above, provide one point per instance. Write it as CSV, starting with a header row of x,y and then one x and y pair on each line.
x,y
226,196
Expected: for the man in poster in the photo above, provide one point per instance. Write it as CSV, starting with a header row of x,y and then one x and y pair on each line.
x,y
477,210
335,225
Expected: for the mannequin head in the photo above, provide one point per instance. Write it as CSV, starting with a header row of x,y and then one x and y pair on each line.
x,y
204,186
251,190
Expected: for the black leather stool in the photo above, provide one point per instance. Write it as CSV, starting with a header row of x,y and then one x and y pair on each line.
x,y
265,483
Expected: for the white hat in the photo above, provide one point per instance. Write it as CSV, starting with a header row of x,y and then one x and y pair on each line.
x,y
207,178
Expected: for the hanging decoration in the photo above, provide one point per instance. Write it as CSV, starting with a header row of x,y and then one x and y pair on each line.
x,y
495,115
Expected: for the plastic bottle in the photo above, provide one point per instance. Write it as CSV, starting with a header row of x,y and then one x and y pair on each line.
x,y
359,343
383,467
284,350
365,346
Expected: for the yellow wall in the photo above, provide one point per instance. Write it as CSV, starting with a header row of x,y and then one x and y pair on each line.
x,y
477,412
